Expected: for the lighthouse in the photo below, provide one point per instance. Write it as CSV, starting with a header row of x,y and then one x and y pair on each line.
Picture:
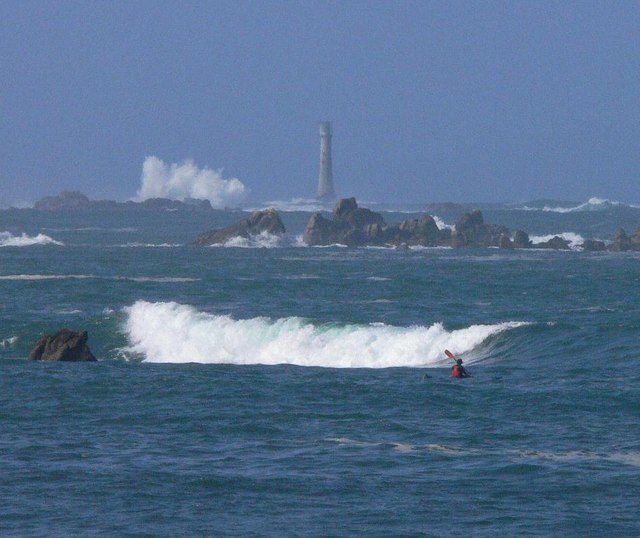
x,y
325,179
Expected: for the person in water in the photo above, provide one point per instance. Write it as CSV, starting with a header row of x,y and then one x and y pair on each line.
x,y
458,370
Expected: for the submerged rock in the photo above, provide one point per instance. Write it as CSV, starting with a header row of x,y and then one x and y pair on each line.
x,y
65,345
266,221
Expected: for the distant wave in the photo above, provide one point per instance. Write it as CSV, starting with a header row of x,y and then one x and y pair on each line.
x,y
574,239
7,239
148,245
296,204
161,279
176,333
263,240
8,342
93,229
593,204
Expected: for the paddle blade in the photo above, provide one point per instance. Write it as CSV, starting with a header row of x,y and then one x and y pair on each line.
x,y
449,354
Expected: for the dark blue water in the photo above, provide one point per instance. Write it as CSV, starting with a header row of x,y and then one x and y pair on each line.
x,y
191,424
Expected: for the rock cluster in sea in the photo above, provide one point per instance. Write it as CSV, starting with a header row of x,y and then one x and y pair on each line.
x,y
65,345
266,221
356,226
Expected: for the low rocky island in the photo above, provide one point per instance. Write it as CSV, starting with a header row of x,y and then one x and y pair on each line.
x,y
65,345
77,201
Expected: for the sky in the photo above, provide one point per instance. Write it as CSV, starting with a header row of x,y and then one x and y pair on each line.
x,y
430,101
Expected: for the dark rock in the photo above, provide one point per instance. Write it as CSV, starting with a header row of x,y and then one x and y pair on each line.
x,y
593,245
267,221
521,239
471,231
555,243
505,242
65,345
320,231
621,241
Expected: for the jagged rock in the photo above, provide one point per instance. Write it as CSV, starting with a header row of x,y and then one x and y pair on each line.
x,y
357,226
521,239
555,243
471,231
65,345
621,241
505,242
267,221
593,245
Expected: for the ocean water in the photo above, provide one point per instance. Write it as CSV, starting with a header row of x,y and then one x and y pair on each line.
x,y
295,390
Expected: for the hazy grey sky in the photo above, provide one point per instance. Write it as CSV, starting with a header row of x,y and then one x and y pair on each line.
x,y
431,101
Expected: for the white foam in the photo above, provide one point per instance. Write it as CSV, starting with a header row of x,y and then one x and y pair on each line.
x,y
7,239
172,332
7,342
574,239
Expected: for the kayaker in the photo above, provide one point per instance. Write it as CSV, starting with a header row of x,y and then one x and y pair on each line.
x,y
458,370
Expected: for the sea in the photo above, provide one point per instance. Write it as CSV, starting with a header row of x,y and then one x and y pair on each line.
x,y
268,388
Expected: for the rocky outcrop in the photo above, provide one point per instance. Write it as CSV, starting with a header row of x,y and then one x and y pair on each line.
x,y
357,226
505,242
65,345
471,231
555,243
622,242
521,239
593,245
266,221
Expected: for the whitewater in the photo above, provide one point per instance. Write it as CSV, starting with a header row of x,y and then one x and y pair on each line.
x,y
171,332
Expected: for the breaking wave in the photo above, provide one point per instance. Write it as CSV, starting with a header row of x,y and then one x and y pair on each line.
x,y
174,333
7,239
575,240
8,342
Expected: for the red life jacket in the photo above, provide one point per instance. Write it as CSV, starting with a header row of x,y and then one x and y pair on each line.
x,y
456,371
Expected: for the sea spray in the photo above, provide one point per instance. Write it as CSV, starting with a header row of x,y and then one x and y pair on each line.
x,y
172,332
7,239
575,240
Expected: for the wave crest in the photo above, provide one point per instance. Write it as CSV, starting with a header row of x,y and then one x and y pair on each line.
x,y
175,333
7,239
